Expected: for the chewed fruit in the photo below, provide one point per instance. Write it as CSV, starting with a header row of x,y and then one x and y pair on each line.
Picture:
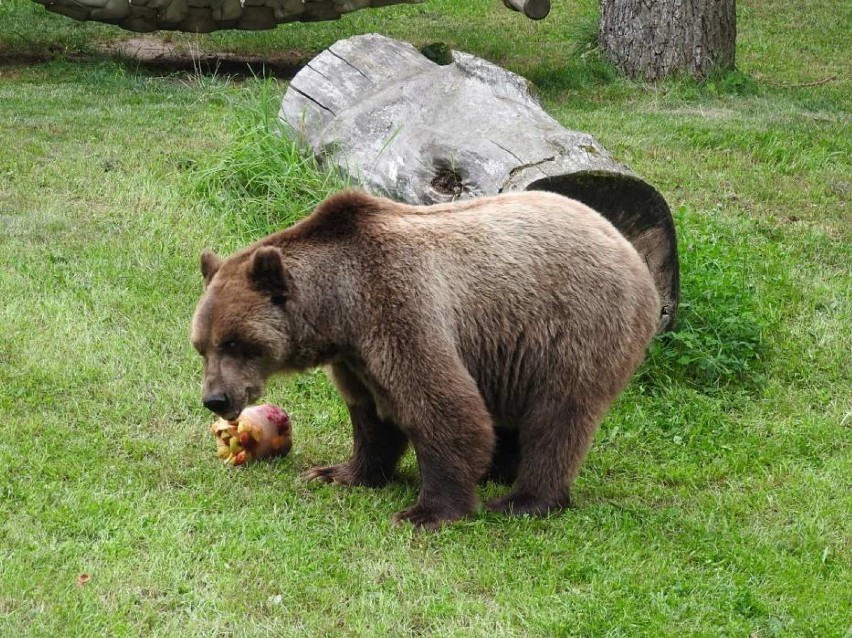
x,y
261,431
241,457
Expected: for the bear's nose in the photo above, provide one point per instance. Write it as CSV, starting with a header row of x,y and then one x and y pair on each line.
x,y
217,403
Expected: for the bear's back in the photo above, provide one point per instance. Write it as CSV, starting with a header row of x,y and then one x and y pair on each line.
x,y
530,247
532,287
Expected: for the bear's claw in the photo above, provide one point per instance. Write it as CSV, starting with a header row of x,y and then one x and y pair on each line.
x,y
327,474
341,474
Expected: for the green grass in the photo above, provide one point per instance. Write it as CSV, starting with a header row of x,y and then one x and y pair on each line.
x,y
715,501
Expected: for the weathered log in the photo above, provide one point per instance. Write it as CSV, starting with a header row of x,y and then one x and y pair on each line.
x,y
204,16
415,131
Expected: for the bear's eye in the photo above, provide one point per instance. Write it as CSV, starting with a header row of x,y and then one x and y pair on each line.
x,y
238,348
229,346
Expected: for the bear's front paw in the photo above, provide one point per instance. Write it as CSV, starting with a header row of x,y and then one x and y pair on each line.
x,y
339,474
520,504
345,474
426,517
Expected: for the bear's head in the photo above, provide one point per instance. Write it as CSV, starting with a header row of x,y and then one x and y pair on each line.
x,y
242,327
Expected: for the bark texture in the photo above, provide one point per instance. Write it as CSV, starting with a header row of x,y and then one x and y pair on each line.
x,y
653,39
204,16
418,132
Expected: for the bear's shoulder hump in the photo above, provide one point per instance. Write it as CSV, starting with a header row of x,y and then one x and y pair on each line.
x,y
341,213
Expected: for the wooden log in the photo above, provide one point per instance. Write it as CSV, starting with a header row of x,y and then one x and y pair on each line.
x,y
70,10
405,127
533,9
204,16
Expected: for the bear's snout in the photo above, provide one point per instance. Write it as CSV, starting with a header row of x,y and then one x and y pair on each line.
x,y
219,403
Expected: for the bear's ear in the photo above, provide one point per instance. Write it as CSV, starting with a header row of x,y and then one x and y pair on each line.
x,y
209,265
267,273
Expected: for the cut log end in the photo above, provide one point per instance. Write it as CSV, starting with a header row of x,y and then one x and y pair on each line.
x,y
533,9
641,214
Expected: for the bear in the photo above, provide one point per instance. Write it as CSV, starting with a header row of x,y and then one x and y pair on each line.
x,y
490,334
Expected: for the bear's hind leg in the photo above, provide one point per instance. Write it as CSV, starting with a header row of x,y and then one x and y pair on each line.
x,y
554,442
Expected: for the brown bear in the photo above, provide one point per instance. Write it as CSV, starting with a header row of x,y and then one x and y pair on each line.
x,y
491,334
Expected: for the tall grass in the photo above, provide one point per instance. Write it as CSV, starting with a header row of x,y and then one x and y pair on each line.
x,y
265,181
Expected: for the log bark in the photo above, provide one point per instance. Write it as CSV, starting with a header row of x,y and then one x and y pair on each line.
x,y
415,131
654,40
204,16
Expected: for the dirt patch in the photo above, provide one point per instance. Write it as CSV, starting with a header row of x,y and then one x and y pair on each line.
x,y
156,55
16,56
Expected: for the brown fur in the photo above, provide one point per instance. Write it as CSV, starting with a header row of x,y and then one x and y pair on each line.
x,y
492,334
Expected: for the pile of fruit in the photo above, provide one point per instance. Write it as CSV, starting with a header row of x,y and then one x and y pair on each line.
x,y
260,432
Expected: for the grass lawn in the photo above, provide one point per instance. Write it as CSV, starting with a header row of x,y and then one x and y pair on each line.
x,y
716,500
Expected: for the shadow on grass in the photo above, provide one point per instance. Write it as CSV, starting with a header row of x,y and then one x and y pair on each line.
x,y
156,57
719,342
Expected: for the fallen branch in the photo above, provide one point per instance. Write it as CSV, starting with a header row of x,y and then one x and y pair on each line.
x,y
805,84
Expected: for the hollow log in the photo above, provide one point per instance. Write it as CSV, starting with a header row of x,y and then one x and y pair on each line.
x,y
415,131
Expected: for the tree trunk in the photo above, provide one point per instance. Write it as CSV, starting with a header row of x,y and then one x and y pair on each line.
x,y
653,39
420,132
